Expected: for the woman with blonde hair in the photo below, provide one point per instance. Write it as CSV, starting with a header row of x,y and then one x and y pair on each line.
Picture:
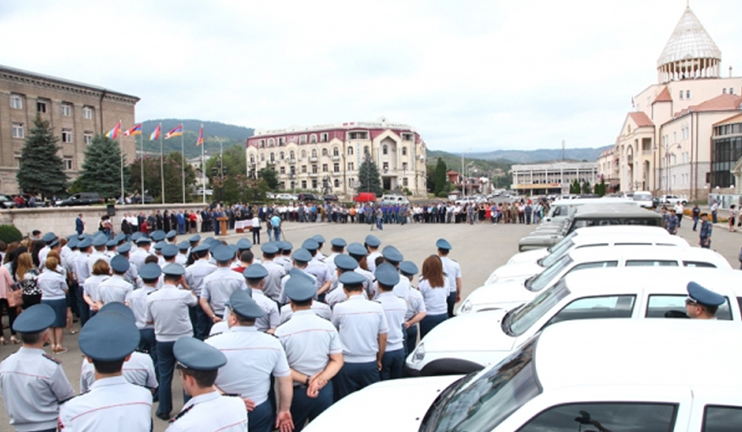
x,y
26,276
54,293
434,289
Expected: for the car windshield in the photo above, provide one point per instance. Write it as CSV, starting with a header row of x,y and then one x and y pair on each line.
x,y
642,197
540,281
558,251
522,319
482,403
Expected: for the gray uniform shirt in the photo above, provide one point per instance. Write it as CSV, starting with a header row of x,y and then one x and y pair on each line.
x,y
33,385
309,340
139,370
271,318
114,289
137,300
219,285
168,308
359,323
272,286
394,309
196,273
211,412
320,309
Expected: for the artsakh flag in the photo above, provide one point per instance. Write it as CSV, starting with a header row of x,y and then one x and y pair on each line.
x,y
200,136
135,130
176,131
155,133
114,133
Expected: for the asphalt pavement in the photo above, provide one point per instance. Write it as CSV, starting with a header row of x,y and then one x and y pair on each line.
x,y
479,248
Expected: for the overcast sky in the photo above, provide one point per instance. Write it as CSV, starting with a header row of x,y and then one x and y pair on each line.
x,y
484,75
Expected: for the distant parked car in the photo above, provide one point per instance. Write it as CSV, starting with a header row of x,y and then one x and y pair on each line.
x,y
270,195
286,197
138,199
84,198
308,197
6,202
673,199
331,197
363,197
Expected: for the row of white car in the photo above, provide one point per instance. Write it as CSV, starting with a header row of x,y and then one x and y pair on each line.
x,y
543,346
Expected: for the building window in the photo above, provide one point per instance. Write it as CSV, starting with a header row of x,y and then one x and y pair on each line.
x,y
302,139
335,151
252,159
87,137
271,142
731,90
365,150
282,170
385,166
303,184
325,153
314,184
280,156
314,153
724,91
687,94
262,157
272,157
314,169
304,170
350,151
404,166
404,182
17,158
66,135
303,154
324,137
350,182
18,130
261,144
281,141
404,151
292,170
336,167
66,109
407,137
359,135
41,106
68,163
681,94
292,156
337,183
87,112
324,167
312,138
350,166
16,102
385,149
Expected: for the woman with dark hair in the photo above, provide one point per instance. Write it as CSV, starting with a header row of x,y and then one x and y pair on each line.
x,y
166,221
434,289
36,246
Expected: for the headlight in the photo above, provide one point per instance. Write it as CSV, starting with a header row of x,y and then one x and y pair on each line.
x,y
419,354
466,306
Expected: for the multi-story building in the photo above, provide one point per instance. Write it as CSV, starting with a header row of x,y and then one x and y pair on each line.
x,y
309,158
664,145
75,111
552,178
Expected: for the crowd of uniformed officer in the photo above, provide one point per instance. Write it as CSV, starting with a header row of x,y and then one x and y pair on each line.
x,y
258,344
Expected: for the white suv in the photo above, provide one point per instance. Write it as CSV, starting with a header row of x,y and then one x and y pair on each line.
x,y
609,375
469,342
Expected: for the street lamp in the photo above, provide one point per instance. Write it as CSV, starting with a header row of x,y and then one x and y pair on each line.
x,y
668,167
219,181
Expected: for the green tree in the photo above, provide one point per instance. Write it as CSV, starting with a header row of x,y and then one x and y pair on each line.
x,y
574,187
152,181
369,178
270,176
599,188
101,171
232,162
439,178
429,180
586,189
41,170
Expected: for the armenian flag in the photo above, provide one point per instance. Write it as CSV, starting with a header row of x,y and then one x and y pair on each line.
x,y
155,133
176,131
134,130
114,133
200,137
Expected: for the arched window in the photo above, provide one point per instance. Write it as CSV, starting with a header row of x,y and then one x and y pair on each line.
x,y
262,157
314,153
303,154
302,139
292,156
272,157
325,152
404,151
252,158
337,183
312,138
350,151
262,143
365,150
271,142
335,151
280,156
385,149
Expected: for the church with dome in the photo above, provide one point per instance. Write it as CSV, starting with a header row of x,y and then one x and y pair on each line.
x,y
684,134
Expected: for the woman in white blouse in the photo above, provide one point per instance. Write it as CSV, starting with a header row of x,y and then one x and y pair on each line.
x,y
434,289
91,294
54,293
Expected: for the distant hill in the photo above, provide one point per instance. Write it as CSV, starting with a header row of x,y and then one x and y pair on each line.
x,y
542,155
214,132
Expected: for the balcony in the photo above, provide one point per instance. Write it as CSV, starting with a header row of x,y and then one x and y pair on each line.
x,y
313,175
336,173
336,158
313,159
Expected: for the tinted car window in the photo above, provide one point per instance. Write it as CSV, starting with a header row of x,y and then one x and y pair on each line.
x,y
596,308
673,306
698,264
651,263
599,264
722,418
615,417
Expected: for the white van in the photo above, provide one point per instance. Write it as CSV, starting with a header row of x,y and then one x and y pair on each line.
x,y
394,200
560,209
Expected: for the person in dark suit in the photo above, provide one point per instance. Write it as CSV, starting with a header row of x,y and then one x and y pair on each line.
x,y
79,224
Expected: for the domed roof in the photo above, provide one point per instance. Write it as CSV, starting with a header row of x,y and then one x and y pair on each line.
x,y
689,40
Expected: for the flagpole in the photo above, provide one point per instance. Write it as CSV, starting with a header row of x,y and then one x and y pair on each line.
x,y
162,167
121,147
141,166
182,164
203,169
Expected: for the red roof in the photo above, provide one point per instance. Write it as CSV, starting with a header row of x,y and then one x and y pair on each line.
x,y
641,119
664,96
722,102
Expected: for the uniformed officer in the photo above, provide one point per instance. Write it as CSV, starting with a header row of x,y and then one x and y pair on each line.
x,y
318,269
343,264
704,236
112,404
372,243
137,301
132,275
452,271
219,285
395,308
284,255
702,303
255,277
172,237
313,350
99,250
158,252
33,384
111,248
320,241
363,331
415,304
195,275
252,357
158,236
139,369
115,288
207,410
139,255
182,257
358,252
169,254
272,287
167,309
337,247
81,273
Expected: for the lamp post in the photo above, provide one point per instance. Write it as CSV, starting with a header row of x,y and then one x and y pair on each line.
x,y
218,179
668,167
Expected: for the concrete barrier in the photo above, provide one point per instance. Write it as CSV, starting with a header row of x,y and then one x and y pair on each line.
x,y
61,220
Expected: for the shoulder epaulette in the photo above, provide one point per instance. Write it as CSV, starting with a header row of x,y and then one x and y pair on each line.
x,y
212,335
181,414
231,394
48,357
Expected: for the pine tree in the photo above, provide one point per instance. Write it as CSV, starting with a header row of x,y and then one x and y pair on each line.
x,y
369,178
586,189
41,170
270,176
439,178
101,171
